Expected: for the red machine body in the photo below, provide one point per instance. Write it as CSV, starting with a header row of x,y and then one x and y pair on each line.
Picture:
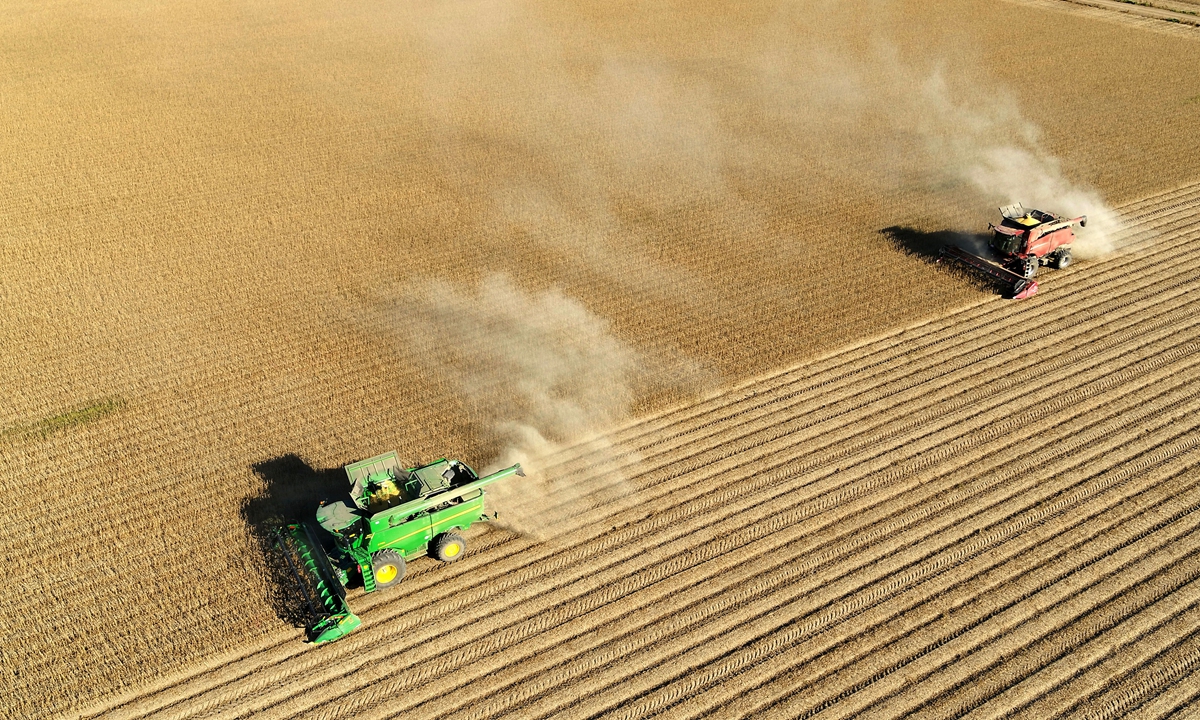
x,y
1026,239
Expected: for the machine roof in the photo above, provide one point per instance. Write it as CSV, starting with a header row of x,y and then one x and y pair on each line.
x,y
1006,230
337,516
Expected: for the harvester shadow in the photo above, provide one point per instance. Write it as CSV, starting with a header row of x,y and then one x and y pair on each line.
x,y
927,246
294,490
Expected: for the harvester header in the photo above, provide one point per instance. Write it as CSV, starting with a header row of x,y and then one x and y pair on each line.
x,y
395,514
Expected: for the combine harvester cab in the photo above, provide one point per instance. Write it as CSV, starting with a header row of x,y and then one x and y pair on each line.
x,y
396,514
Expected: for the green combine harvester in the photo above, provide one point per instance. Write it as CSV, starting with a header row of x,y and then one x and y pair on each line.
x,y
397,514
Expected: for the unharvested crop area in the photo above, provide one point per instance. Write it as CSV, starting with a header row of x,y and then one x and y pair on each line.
x,y
244,243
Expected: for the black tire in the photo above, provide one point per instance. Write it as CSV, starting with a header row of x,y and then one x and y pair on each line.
x,y
1063,259
388,568
1031,268
448,547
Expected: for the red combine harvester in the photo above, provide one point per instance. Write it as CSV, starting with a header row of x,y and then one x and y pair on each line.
x,y
1024,240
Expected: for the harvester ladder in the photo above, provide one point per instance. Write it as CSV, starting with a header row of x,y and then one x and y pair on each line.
x,y
363,558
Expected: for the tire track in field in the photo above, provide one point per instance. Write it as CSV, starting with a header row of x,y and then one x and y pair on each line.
x,y
1147,665
758,593
985,575
772,546
726,450
1173,702
1042,617
1137,612
771,384
1046,689
654,425
1084,9
1161,552
736,691
851,390
168,438
732,664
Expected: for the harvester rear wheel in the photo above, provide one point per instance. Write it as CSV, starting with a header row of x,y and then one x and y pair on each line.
x,y
448,547
388,568
1063,259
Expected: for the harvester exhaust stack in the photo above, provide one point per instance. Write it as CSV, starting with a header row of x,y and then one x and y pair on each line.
x,y
1016,286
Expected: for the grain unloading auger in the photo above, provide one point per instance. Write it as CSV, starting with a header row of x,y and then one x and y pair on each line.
x,y
396,514
1023,241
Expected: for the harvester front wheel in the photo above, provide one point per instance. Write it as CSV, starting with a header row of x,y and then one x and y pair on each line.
x,y
1031,267
388,568
448,547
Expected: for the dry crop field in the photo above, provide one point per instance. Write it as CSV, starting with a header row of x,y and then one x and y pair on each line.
x,y
944,521
244,243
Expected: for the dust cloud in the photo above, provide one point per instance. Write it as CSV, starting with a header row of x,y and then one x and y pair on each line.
x,y
608,149
544,377
939,118
593,154
592,145
1000,153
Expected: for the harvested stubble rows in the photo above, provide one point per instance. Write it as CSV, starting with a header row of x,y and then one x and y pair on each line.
x,y
1177,19
992,514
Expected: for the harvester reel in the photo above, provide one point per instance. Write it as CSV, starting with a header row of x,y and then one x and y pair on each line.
x,y
388,568
448,547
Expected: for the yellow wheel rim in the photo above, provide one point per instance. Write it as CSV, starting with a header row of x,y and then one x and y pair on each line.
x,y
385,574
452,549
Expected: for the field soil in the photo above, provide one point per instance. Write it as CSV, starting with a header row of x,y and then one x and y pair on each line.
x,y
798,467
